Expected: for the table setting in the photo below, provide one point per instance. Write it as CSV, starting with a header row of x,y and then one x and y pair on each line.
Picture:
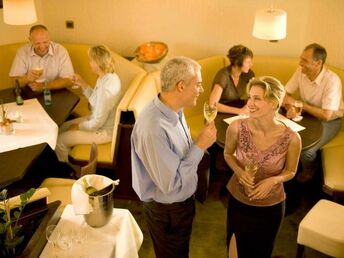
x,y
91,227
26,125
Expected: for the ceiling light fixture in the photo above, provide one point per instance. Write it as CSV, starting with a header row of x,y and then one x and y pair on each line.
x,y
270,24
19,12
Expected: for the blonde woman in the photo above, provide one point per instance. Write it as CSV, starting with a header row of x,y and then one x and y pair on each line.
x,y
257,201
103,100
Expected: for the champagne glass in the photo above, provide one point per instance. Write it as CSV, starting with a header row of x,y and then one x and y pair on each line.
x,y
252,168
209,111
297,108
66,239
52,234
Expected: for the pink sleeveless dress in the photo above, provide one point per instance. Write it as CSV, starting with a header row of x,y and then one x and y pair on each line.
x,y
271,162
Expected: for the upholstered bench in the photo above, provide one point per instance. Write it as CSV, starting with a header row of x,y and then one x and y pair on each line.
x,y
322,229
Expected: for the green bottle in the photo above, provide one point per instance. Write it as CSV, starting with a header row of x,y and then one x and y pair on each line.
x,y
19,98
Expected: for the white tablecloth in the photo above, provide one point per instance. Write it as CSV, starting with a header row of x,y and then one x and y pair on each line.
x,y
37,127
120,238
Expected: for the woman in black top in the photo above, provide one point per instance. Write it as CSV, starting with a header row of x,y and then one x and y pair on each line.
x,y
230,82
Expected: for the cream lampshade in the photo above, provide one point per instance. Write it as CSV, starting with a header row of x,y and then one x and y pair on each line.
x,y
19,12
270,24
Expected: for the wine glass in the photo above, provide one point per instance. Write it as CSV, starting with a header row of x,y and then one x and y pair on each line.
x,y
66,239
297,108
80,233
52,234
39,71
252,168
209,111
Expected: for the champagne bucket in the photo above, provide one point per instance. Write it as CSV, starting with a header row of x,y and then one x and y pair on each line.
x,y
102,206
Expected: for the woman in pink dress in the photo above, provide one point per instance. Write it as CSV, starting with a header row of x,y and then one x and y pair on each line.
x,y
257,198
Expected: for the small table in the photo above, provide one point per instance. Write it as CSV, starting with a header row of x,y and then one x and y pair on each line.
x,y
14,164
120,238
309,136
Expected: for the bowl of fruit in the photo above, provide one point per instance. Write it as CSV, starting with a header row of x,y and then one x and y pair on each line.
x,y
151,52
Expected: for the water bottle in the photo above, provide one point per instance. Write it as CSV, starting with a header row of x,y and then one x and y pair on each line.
x,y
19,98
46,94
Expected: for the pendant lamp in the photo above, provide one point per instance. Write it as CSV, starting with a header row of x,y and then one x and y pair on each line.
x,y
19,12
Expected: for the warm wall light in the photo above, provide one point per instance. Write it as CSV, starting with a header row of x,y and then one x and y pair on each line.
x,y
19,12
270,24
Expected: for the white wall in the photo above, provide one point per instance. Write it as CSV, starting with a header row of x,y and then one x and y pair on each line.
x,y
197,28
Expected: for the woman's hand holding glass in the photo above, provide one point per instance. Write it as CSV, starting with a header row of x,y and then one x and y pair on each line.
x,y
78,81
209,111
262,189
247,177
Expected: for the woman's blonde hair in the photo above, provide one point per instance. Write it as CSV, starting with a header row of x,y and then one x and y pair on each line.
x,y
101,55
273,88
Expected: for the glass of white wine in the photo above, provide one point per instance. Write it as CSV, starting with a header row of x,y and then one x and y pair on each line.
x,y
297,108
252,168
209,111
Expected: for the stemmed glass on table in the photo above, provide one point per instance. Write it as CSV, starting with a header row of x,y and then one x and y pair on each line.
x,y
209,111
52,234
297,108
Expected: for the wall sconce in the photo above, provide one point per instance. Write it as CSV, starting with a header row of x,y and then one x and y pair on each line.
x,y
19,12
270,24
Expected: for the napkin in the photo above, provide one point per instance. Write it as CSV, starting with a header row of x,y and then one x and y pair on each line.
x,y
80,198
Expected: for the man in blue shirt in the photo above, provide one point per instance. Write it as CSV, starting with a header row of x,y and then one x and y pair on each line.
x,y
165,159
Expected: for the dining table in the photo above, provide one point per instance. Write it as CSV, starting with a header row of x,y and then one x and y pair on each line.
x,y
121,237
15,163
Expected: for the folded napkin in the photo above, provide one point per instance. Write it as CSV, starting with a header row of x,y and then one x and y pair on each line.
x,y
80,197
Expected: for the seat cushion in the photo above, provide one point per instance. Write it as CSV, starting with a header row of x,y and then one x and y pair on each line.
x,y
60,189
336,141
323,228
333,167
82,152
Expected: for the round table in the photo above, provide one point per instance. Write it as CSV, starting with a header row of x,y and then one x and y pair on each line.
x,y
309,136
